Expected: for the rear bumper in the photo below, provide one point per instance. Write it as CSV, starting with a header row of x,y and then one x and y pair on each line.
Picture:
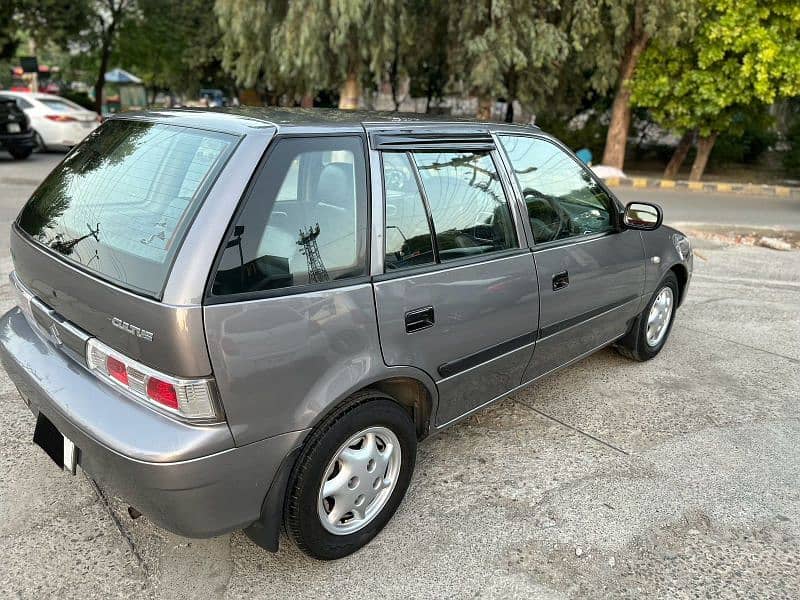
x,y
190,480
17,140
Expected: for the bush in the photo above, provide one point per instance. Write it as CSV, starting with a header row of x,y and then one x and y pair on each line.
x,y
754,134
791,159
592,135
80,98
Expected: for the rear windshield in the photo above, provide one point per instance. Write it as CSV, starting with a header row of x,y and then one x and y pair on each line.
x,y
120,203
59,105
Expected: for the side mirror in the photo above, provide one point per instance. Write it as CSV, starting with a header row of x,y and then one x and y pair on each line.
x,y
642,215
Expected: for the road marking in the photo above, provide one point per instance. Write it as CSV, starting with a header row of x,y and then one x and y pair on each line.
x,y
772,283
743,345
575,429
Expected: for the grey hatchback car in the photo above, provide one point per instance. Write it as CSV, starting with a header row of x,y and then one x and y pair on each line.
x,y
248,318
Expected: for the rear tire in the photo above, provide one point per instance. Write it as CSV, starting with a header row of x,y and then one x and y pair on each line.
x,y
650,330
368,444
20,153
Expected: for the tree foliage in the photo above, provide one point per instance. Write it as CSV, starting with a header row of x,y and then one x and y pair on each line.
x,y
170,45
744,53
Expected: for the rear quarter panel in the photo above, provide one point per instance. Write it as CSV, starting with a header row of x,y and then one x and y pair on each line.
x,y
282,363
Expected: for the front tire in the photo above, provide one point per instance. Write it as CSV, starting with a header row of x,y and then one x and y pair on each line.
x,y
650,330
351,476
20,153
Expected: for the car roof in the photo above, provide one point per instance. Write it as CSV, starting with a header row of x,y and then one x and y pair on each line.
x,y
311,120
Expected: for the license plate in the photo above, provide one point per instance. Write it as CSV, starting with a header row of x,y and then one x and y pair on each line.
x,y
13,128
57,446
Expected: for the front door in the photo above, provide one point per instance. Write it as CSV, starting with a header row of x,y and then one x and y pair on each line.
x,y
458,297
591,272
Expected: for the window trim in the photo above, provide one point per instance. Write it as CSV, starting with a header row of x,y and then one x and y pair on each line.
x,y
615,214
209,298
521,244
426,207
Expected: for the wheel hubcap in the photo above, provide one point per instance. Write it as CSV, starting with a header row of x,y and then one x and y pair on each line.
x,y
359,480
659,317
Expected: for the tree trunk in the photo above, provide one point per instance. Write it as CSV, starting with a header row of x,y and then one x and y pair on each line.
x,y
101,76
307,101
484,108
617,138
679,156
510,111
704,147
350,93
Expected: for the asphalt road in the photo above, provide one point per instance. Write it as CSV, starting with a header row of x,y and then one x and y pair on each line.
x,y
674,478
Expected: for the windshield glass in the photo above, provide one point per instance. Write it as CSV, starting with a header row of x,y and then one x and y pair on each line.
x,y
120,203
59,105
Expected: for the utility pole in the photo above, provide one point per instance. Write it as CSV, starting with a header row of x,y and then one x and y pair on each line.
x,y
317,272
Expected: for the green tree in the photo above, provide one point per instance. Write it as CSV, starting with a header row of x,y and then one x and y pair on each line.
x,y
9,39
88,26
609,37
505,48
744,53
304,46
171,45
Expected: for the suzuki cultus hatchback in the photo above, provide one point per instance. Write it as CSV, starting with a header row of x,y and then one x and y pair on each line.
x,y
248,318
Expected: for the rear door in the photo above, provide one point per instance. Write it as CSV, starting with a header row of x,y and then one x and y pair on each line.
x,y
591,272
458,296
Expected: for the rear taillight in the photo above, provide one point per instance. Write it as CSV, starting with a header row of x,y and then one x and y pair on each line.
x,y
190,399
60,118
162,392
117,369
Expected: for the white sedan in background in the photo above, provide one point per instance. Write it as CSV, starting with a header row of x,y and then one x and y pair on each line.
x,y
57,122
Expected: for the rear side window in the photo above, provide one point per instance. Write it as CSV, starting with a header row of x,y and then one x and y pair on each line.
x,y
470,213
120,203
305,221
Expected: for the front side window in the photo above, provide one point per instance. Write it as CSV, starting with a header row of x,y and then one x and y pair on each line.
x,y
562,198
305,221
408,235
470,212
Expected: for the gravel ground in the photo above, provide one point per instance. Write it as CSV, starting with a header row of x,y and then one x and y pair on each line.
x,y
675,478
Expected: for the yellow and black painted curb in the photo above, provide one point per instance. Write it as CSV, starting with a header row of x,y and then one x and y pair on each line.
x,y
780,191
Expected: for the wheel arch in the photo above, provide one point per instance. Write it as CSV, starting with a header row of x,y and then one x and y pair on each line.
x,y
682,275
405,386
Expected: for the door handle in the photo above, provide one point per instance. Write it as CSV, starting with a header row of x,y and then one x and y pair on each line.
x,y
419,319
560,280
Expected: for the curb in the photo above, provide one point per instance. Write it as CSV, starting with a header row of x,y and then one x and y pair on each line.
x,y
778,191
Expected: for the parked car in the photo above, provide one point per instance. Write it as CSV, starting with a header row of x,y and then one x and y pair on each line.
x,y
57,123
243,318
16,136
213,97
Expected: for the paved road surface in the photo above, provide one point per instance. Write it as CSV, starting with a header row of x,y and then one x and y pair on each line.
x,y
675,478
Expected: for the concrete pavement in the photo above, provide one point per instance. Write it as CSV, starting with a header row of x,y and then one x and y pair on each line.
x,y
676,478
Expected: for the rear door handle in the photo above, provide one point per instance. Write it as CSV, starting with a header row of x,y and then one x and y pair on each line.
x,y
560,280
419,319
